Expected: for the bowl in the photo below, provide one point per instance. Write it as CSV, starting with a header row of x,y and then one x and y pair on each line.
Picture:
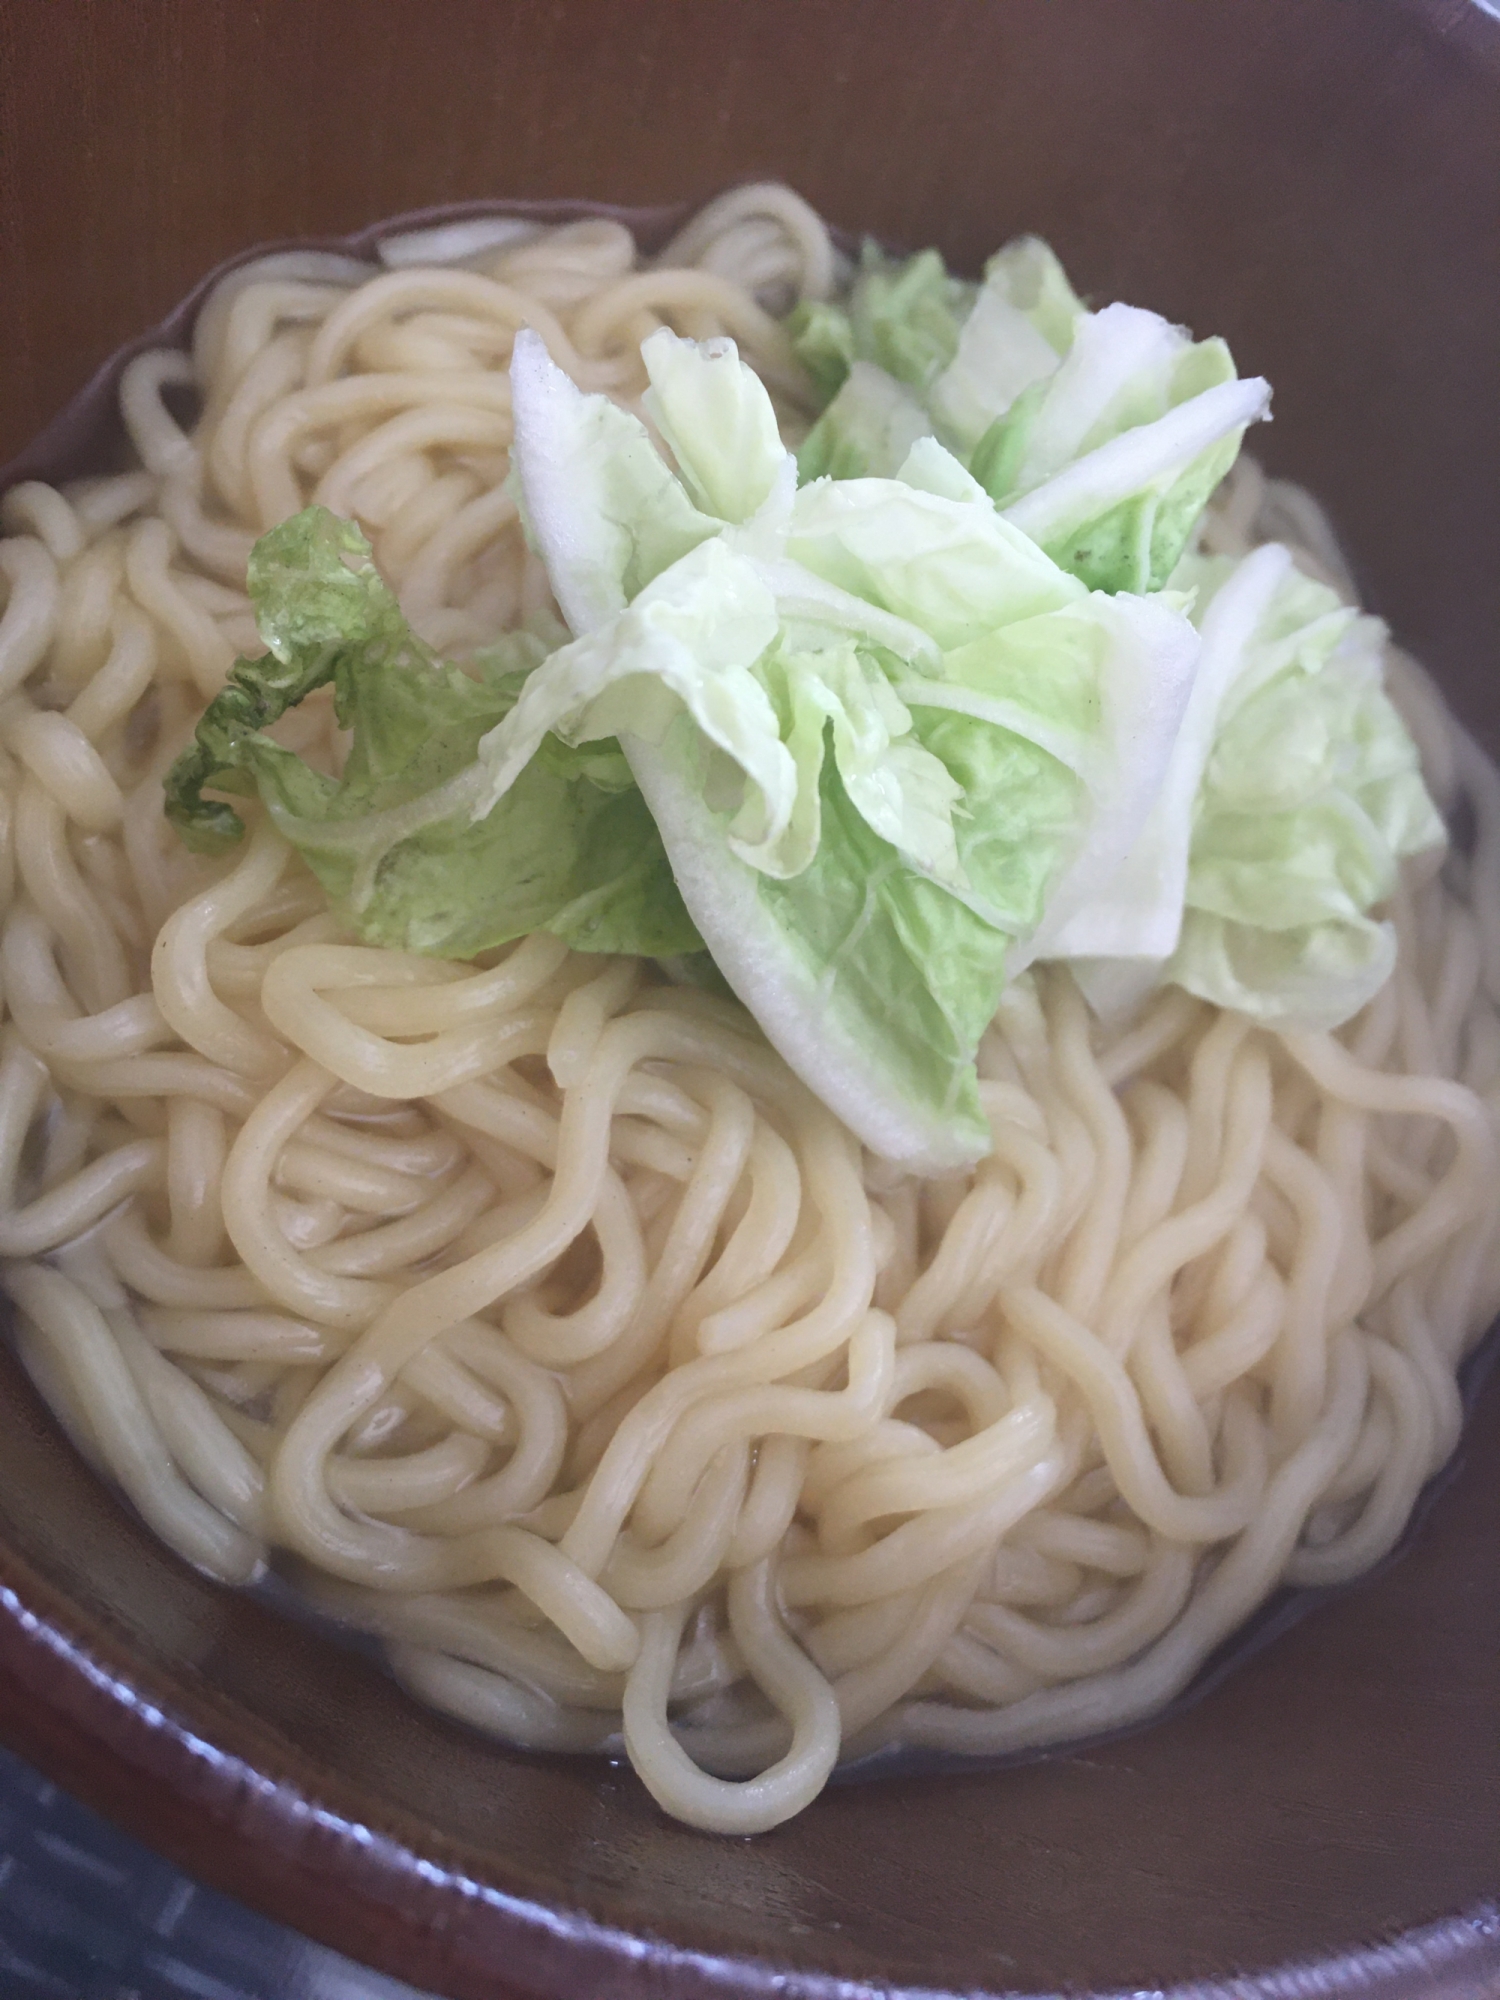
x,y
1320,1819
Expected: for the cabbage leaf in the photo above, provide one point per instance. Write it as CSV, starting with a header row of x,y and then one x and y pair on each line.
x,y
876,740
1022,324
866,431
1100,434
393,838
876,726
903,314
1293,793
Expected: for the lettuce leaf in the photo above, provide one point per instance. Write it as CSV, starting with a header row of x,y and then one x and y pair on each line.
x,y
319,597
394,838
1309,976
1103,688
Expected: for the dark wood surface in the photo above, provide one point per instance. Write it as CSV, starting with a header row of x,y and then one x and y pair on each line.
x,y
1326,195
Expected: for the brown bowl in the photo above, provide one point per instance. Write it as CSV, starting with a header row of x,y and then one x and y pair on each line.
x,y
1320,184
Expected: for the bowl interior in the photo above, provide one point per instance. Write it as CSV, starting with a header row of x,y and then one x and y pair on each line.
x,y
1333,1792
1331,209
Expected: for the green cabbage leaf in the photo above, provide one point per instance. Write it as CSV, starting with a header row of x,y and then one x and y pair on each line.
x,y
904,314
867,430
1293,793
1100,434
1022,324
1109,462
877,727
394,838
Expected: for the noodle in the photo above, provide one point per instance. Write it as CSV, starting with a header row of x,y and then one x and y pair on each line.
x,y
556,1332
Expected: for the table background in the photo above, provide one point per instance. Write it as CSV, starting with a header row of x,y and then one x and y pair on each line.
x,y
88,1914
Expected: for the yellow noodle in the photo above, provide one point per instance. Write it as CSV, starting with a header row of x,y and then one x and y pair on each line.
x,y
567,1341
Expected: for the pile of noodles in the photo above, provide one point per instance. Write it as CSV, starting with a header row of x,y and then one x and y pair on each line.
x,y
551,1326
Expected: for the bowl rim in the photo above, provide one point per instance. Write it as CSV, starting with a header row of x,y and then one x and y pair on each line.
x,y
76,1702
